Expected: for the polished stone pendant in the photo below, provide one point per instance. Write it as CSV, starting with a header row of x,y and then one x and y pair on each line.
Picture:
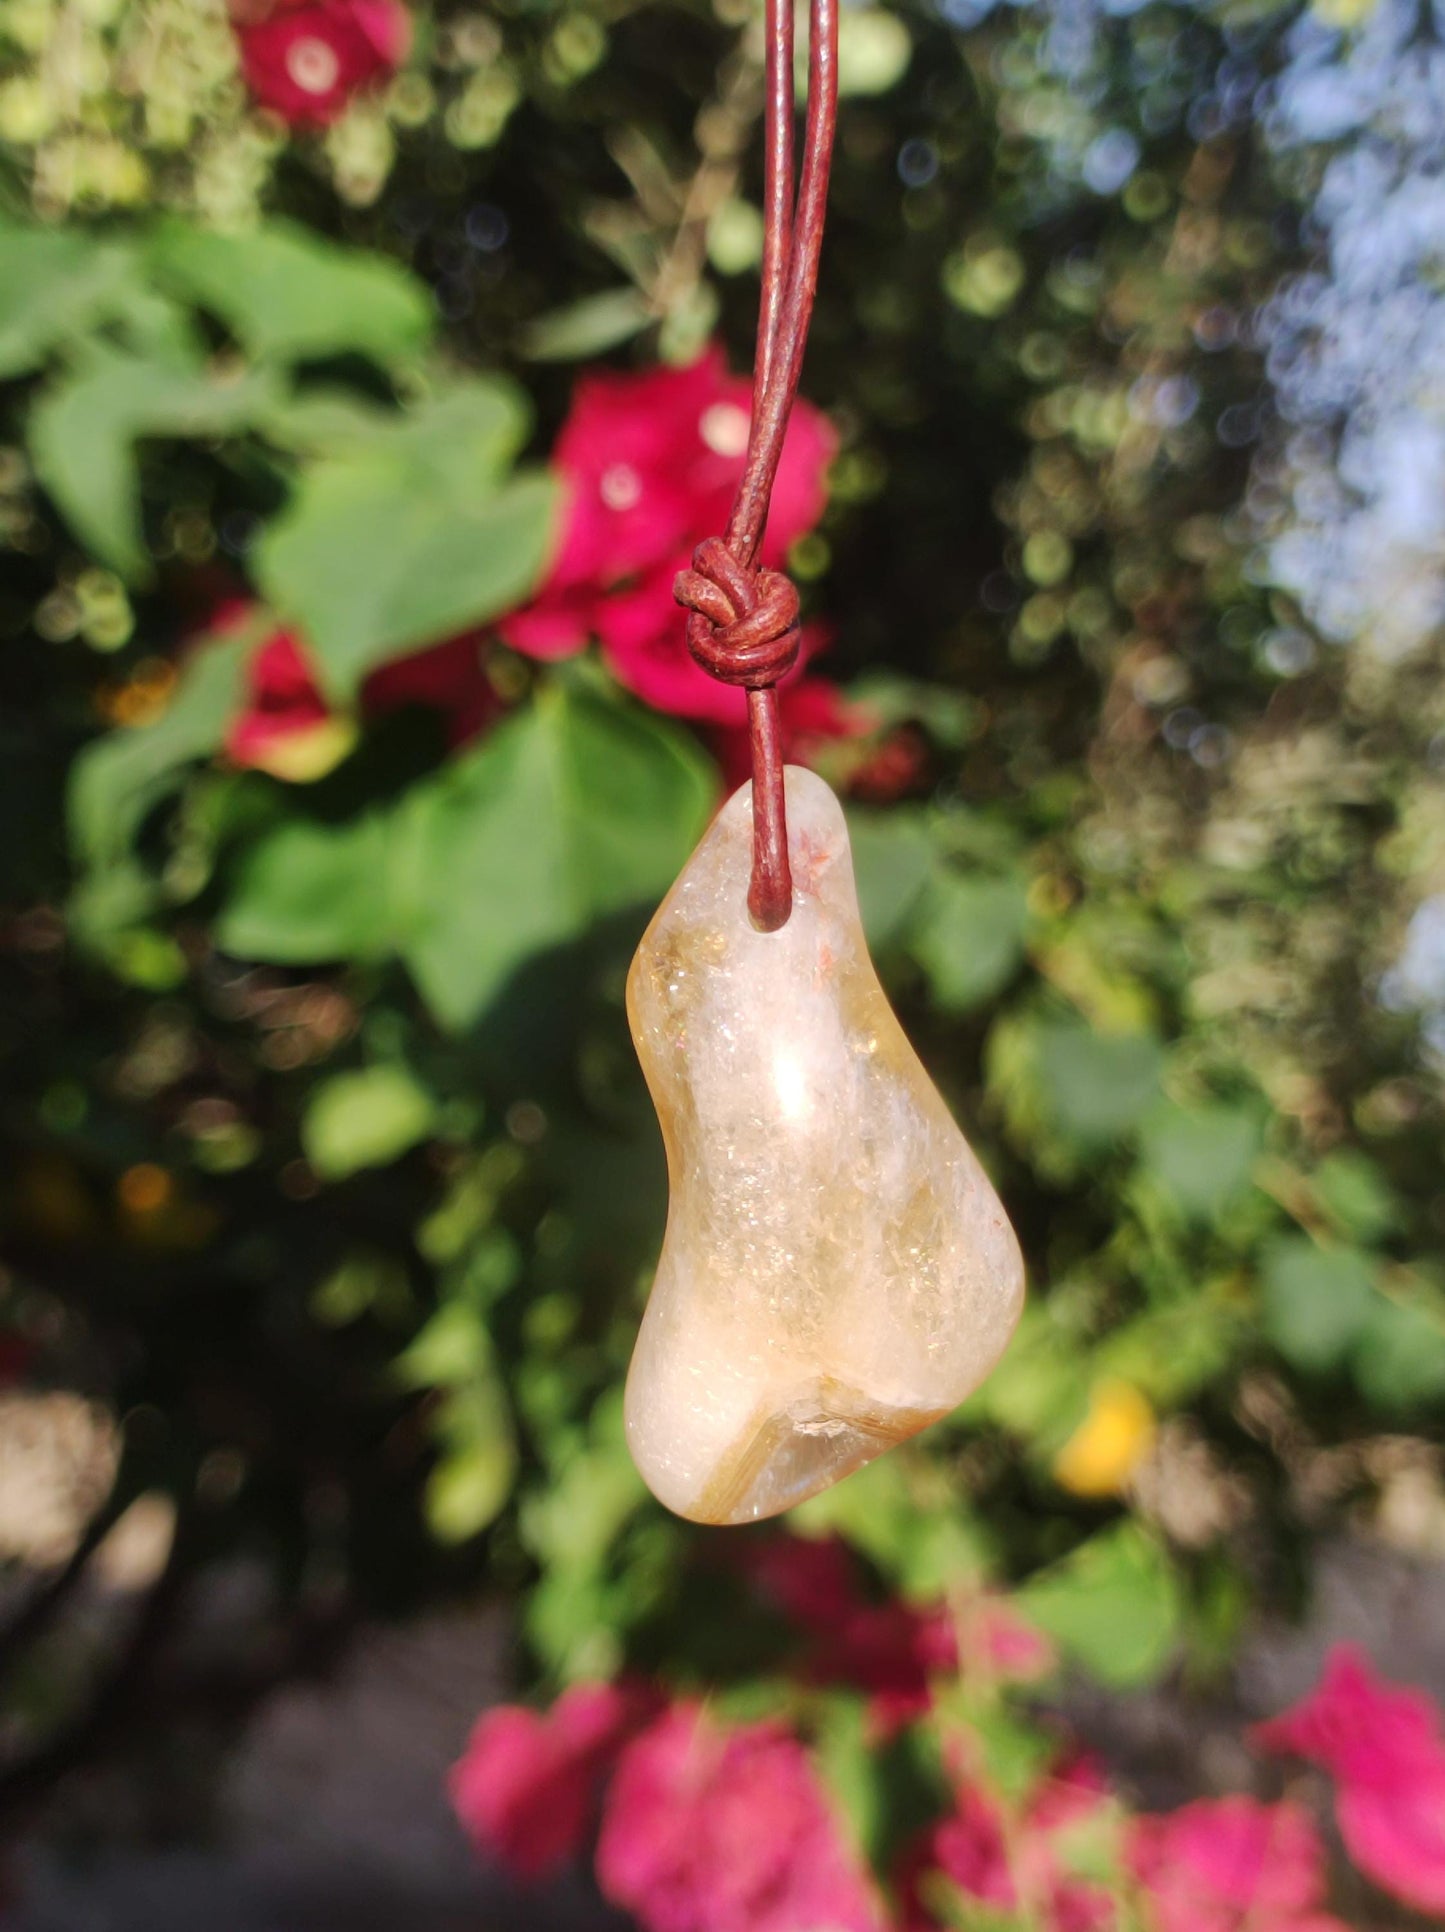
x,y
837,1271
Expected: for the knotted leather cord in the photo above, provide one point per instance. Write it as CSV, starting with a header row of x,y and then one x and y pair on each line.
x,y
742,624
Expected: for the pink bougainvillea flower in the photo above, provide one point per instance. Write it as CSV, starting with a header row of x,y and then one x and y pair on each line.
x,y
1012,1864
649,462
645,648
286,726
894,1651
707,1829
999,1645
812,1579
1231,1865
526,1787
891,1650
968,1849
450,678
1384,1747
306,59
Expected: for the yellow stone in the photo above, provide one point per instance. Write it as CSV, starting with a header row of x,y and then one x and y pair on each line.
x,y
837,1270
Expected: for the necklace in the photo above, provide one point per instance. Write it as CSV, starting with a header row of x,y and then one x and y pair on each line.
x,y
837,1271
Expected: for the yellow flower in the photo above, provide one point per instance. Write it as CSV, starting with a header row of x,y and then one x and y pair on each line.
x,y
1109,1444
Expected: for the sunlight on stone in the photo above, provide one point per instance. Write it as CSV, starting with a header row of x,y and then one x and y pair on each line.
x,y
837,1271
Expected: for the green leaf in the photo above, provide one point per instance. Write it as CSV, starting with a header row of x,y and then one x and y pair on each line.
x,y
109,903
472,1481
402,537
969,937
904,1516
157,329
575,1522
576,807
55,285
309,893
83,430
283,292
364,1282
893,856
1170,1354
847,1748
948,716
1037,1390
116,780
463,1216
1114,1605
1097,1086
1014,1750
452,1350
463,437
1399,1355
1201,1157
1352,1191
573,808
365,1119
589,327
468,1488
1317,1301
318,420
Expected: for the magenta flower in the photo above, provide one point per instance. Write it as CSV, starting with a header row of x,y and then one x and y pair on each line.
x,y
1014,1864
285,714
287,727
306,59
714,1830
1231,1865
1382,1744
894,1651
526,1787
448,678
650,462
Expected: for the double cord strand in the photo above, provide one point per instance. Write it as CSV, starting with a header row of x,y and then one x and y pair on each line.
x,y
743,622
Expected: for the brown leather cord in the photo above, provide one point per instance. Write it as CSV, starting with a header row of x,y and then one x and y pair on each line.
x,y
742,625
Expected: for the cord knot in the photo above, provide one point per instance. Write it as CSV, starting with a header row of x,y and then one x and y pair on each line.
x,y
743,623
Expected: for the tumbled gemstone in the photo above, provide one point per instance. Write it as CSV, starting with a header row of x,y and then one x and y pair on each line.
x,y
837,1271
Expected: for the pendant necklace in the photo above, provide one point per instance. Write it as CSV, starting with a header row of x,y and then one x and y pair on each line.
x,y
837,1270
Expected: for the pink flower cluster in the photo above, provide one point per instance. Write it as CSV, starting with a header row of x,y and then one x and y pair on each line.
x,y
714,1830
1014,1862
894,1651
1231,1865
1217,1865
285,711
529,1784
700,1826
649,463
1384,1749
306,60
703,1828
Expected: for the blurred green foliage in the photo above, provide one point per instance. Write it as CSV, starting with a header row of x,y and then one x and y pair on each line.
x,y
372,1330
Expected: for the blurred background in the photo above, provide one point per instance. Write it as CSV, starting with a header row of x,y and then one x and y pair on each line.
x,y
366,371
